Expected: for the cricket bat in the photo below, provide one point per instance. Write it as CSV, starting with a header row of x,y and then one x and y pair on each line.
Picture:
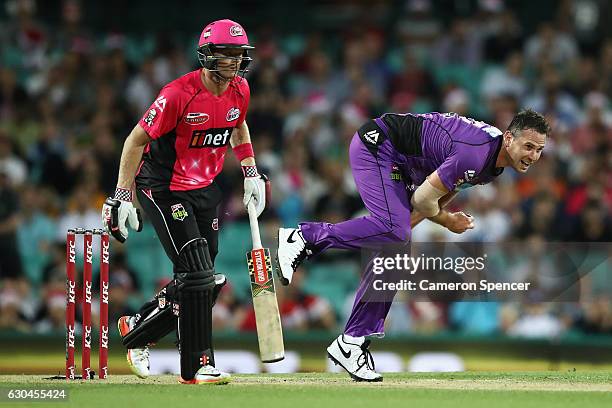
x,y
267,317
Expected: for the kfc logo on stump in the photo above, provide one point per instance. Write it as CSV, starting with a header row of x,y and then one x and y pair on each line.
x,y
104,338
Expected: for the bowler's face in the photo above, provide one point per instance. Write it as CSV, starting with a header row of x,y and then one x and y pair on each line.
x,y
525,149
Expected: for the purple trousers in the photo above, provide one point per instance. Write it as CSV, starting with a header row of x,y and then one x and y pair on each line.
x,y
388,222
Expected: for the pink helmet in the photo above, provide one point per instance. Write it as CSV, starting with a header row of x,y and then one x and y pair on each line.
x,y
219,35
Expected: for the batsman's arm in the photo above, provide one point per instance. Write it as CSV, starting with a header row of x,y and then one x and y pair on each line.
x,y
241,136
130,156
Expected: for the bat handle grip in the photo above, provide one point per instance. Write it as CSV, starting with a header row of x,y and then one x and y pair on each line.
x,y
254,226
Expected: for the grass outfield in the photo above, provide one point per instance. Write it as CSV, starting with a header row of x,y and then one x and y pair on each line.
x,y
469,390
34,361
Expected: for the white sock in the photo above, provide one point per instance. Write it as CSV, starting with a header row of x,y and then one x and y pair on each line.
x,y
353,340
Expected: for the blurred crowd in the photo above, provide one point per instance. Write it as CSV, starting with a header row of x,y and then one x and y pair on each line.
x,y
69,97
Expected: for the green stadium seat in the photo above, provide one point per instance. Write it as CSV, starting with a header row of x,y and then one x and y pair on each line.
x,y
332,281
234,243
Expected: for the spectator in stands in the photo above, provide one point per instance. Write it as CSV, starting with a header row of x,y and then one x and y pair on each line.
x,y
419,28
52,312
594,224
11,165
595,130
508,80
123,285
12,95
480,318
11,316
596,317
532,320
461,46
142,88
550,46
413,84
228,313
552,99
81,211
506,38
35,233
10,262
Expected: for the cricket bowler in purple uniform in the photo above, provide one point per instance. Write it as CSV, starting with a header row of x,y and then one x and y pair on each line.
x,y
437,154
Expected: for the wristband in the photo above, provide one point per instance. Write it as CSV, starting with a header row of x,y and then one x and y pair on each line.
x,y
243,151
250,171
123,194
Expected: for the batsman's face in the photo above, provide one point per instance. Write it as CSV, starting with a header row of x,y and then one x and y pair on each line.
x,y
228,66
524,149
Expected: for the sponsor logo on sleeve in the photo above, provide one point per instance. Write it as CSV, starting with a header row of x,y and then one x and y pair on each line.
x,y
232,114
161,103
235,31
215,224
371,136
196,118
150,118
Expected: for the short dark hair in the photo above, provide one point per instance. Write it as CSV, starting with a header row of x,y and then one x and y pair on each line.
x,y
529,119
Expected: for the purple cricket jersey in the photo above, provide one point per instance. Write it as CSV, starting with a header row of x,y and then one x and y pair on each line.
x,y
463,150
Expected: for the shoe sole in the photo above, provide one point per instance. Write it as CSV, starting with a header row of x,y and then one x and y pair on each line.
x,y
353,376
279,272
127,355
209,382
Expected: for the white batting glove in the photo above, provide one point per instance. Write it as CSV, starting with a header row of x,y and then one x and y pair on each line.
x,y
254,189
118,212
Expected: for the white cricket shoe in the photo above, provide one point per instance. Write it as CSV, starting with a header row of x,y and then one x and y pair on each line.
x,y
208,375
291,252
354,357
137,358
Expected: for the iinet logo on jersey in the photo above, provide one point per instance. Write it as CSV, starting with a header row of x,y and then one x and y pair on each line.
x,y
216,137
